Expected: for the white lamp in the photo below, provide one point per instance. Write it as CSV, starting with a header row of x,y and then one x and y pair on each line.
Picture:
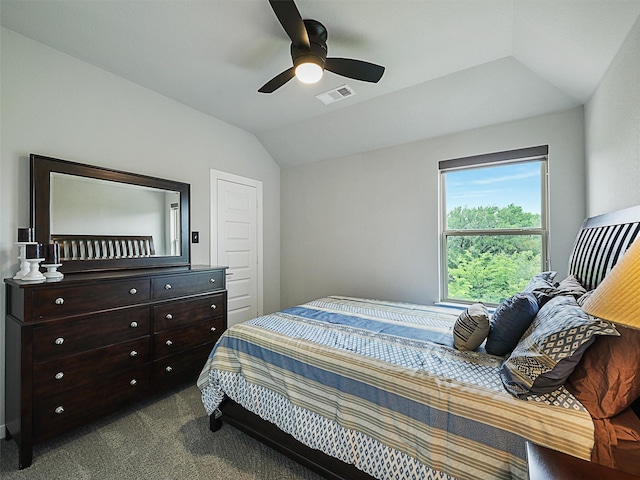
x,y
616,298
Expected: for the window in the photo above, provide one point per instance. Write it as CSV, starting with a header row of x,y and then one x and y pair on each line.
x,y
493,224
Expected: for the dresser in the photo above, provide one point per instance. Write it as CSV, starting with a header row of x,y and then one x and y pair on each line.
x,y
89,344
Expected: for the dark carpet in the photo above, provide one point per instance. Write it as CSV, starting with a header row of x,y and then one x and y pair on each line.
x,y
166,437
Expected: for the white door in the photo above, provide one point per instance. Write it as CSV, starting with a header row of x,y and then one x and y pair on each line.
x,y
237,238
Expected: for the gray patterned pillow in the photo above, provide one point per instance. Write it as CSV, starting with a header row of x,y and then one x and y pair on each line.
x,y
570,286
542,286
551,347
471,327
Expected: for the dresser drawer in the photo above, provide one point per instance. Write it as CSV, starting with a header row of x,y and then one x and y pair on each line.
x,y
180,368
68,337
179,339
187,284
81,370
78,299
57,413
183,312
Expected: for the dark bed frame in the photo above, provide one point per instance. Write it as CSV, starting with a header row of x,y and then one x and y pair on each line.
x,y
267,433
595,246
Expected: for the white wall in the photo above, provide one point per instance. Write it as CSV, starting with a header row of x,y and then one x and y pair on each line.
x,y
366,225
612,129
61,107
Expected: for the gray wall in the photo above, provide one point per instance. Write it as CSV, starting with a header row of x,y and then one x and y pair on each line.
x,y
58,106
367,225
612,125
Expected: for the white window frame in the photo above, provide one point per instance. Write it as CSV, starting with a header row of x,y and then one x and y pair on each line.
x,y
538,154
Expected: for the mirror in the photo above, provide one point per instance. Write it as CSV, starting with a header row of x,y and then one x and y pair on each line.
x,y
106,219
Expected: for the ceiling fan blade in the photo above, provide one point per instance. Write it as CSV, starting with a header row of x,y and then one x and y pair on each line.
x,y
356,69
277,81
291,21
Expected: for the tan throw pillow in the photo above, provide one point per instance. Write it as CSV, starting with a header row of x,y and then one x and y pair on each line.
x,y
471,327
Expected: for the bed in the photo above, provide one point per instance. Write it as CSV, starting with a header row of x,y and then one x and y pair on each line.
x,y
357,388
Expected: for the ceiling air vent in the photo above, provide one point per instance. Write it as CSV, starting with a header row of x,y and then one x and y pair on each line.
x,y
336,94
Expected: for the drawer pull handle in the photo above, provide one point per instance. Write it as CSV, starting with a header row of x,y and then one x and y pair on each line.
x,y
59,341
133,382
59,376
59,410
169,369
133,291
213,329
213,306
212,280
133,324
133,353
59,301
167,286
168,316
168,343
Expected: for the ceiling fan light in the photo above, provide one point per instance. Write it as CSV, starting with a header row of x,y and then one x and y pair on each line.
x,y
309,72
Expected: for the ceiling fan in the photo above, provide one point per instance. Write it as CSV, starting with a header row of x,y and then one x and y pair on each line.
x,y
309,52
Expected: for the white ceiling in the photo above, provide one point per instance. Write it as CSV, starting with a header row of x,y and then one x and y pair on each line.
x,y
451,65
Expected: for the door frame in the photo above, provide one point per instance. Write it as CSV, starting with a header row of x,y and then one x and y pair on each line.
x,y
216,175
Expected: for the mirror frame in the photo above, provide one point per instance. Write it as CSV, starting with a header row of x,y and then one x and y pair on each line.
x,y
40,197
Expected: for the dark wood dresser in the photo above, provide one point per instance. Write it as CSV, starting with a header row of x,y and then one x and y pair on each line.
x,y
85,346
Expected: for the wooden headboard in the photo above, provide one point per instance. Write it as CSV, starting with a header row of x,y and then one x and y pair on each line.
x,y
95,247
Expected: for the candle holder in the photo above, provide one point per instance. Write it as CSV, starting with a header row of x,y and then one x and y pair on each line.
x,y
22,256
34,275
26,235
52,270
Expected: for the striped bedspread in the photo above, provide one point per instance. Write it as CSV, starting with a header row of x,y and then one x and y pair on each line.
x,y
379,385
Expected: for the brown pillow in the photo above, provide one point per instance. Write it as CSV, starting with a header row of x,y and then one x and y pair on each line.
x,y
607,380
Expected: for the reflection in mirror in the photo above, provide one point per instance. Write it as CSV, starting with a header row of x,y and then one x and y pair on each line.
x,y
105,220
114,209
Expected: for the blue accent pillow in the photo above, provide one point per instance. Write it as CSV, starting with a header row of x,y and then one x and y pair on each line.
x,y
509,322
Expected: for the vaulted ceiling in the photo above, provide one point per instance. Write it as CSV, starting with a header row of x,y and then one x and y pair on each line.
x,y
451,65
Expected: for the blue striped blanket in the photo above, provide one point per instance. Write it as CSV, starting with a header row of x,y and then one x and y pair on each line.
x,y
379,385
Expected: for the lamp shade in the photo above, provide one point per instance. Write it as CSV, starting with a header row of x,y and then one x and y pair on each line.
x,y
617,298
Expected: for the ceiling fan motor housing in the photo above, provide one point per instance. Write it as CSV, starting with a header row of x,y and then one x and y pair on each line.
x,y
317,53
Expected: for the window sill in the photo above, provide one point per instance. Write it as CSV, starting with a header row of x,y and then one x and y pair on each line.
x,y
460,306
